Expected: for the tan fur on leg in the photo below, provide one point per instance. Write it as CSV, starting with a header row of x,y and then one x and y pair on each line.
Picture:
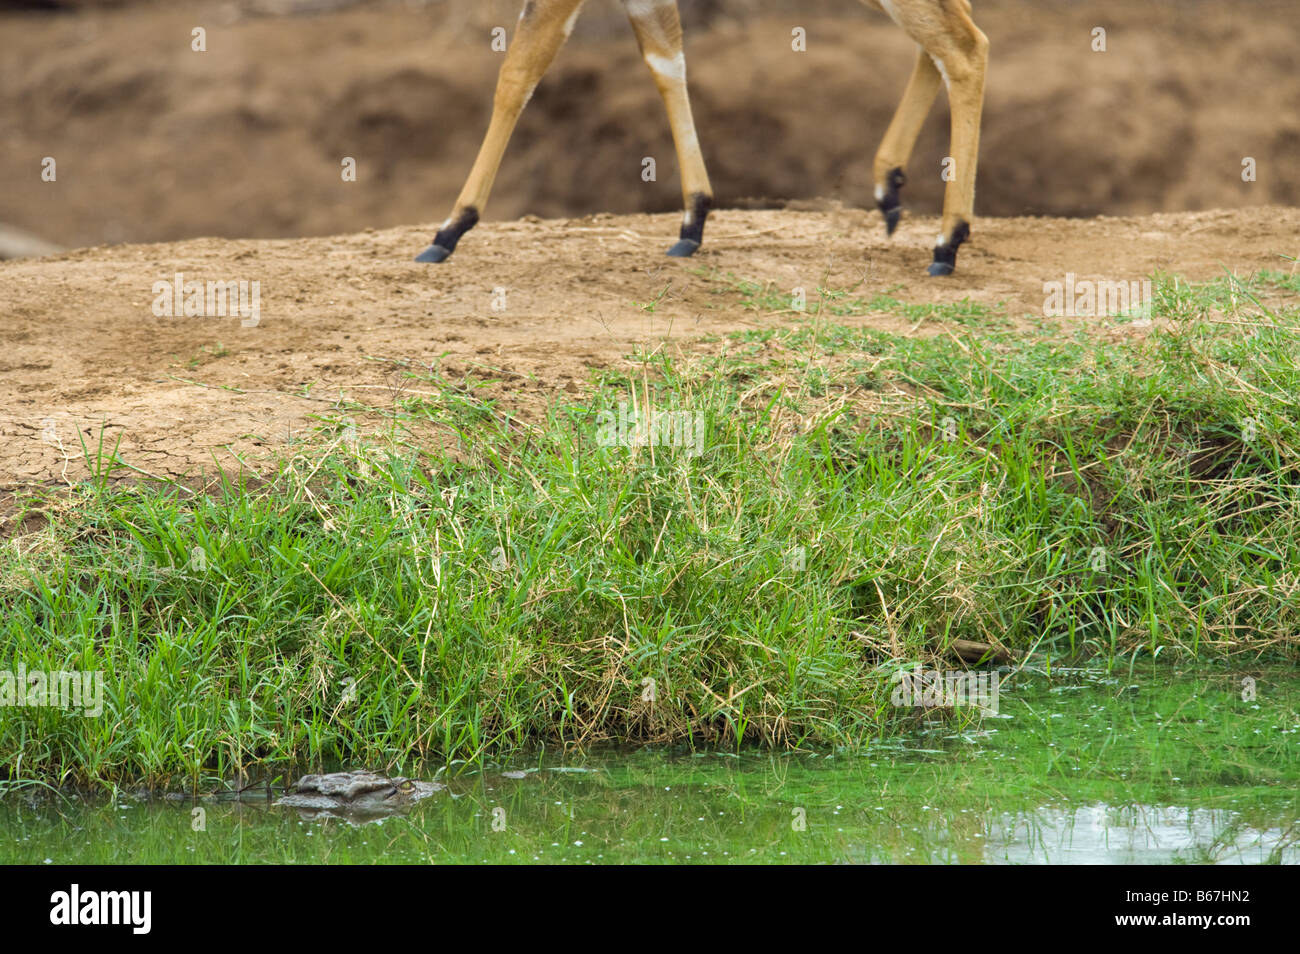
x,y
900,139
658,30
543,27
959,53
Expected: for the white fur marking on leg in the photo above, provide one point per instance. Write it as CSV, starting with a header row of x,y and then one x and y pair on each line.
x,y
943,71
571,22
643,8
893,13
673,68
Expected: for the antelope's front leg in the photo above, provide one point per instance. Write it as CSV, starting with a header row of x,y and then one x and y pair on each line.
x,y
544,25
658,29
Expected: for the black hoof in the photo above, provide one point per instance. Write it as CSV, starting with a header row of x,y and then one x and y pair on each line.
x,y
444,243
692,233
945,255
434,254
891,200
892,218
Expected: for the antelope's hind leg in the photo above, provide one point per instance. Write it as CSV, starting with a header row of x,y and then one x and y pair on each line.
x,y
658,29
543,27
900,139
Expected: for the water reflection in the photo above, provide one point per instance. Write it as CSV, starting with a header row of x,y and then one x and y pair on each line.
x,y
746,814
1137,834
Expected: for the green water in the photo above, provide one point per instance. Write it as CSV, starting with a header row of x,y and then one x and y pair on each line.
x,y
1145,766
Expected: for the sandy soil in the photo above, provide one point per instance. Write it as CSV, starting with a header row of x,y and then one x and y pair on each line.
x,y
81,352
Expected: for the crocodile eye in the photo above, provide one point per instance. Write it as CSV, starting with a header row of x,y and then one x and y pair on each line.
x,y
405,785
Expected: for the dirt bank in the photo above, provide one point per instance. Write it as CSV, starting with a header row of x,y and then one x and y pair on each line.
x,y
81,352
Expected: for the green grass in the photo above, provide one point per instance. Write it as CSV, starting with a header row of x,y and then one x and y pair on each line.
x,y
860,501
843,303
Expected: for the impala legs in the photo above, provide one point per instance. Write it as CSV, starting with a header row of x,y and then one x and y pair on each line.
x,y
900,139
953,51
658,30
544,25
958,54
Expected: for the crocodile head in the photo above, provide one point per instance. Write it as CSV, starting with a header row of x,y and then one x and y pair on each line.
x,y
354,795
